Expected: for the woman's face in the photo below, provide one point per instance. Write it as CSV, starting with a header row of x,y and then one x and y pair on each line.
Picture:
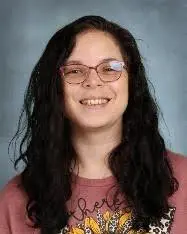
x,y
91,49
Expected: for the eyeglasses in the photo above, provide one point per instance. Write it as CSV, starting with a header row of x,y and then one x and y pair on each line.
x,y
107,71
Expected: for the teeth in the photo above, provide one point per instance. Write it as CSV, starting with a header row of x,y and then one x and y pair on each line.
x,y
94,102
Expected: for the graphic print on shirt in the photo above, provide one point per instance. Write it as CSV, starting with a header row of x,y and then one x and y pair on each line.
x,y
116,222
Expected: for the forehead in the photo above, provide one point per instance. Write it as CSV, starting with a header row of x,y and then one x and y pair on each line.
x,y
95,46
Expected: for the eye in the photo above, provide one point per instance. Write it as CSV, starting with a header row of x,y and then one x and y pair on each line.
x,y
108,69
72,71
111,68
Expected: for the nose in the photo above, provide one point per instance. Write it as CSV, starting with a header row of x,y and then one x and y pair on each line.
x,y
93,80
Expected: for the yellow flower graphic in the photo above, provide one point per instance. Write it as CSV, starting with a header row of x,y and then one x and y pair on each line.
x,y
106,223
123,219
91,223
113,223
77,231
107,216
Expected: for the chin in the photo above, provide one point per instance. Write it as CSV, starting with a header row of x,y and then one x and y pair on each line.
x,y
91,125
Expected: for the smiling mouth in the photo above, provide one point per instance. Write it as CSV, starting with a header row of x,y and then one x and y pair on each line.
x,y
95,102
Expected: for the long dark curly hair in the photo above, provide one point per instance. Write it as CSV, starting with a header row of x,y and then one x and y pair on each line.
x,y
139,162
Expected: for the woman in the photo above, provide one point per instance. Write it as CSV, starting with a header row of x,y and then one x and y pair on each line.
x,y
95,161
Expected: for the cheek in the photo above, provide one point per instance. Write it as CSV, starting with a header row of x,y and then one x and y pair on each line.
x,y
68,93
70,99
67,98
121,90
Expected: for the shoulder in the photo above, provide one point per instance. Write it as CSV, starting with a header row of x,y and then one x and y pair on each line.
x,y
178,200
13,202
12,190
179,165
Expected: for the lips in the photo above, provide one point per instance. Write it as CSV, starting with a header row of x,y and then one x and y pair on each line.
x,y
94,98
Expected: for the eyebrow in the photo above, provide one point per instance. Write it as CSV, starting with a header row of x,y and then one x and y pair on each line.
x,y
79,62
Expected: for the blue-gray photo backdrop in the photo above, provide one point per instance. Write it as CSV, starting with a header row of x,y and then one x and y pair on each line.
x,y
159,27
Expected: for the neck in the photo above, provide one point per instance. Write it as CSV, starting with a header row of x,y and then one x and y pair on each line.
x,y
93,148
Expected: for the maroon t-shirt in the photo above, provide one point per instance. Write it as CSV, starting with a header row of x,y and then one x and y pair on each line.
x,y
93,208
